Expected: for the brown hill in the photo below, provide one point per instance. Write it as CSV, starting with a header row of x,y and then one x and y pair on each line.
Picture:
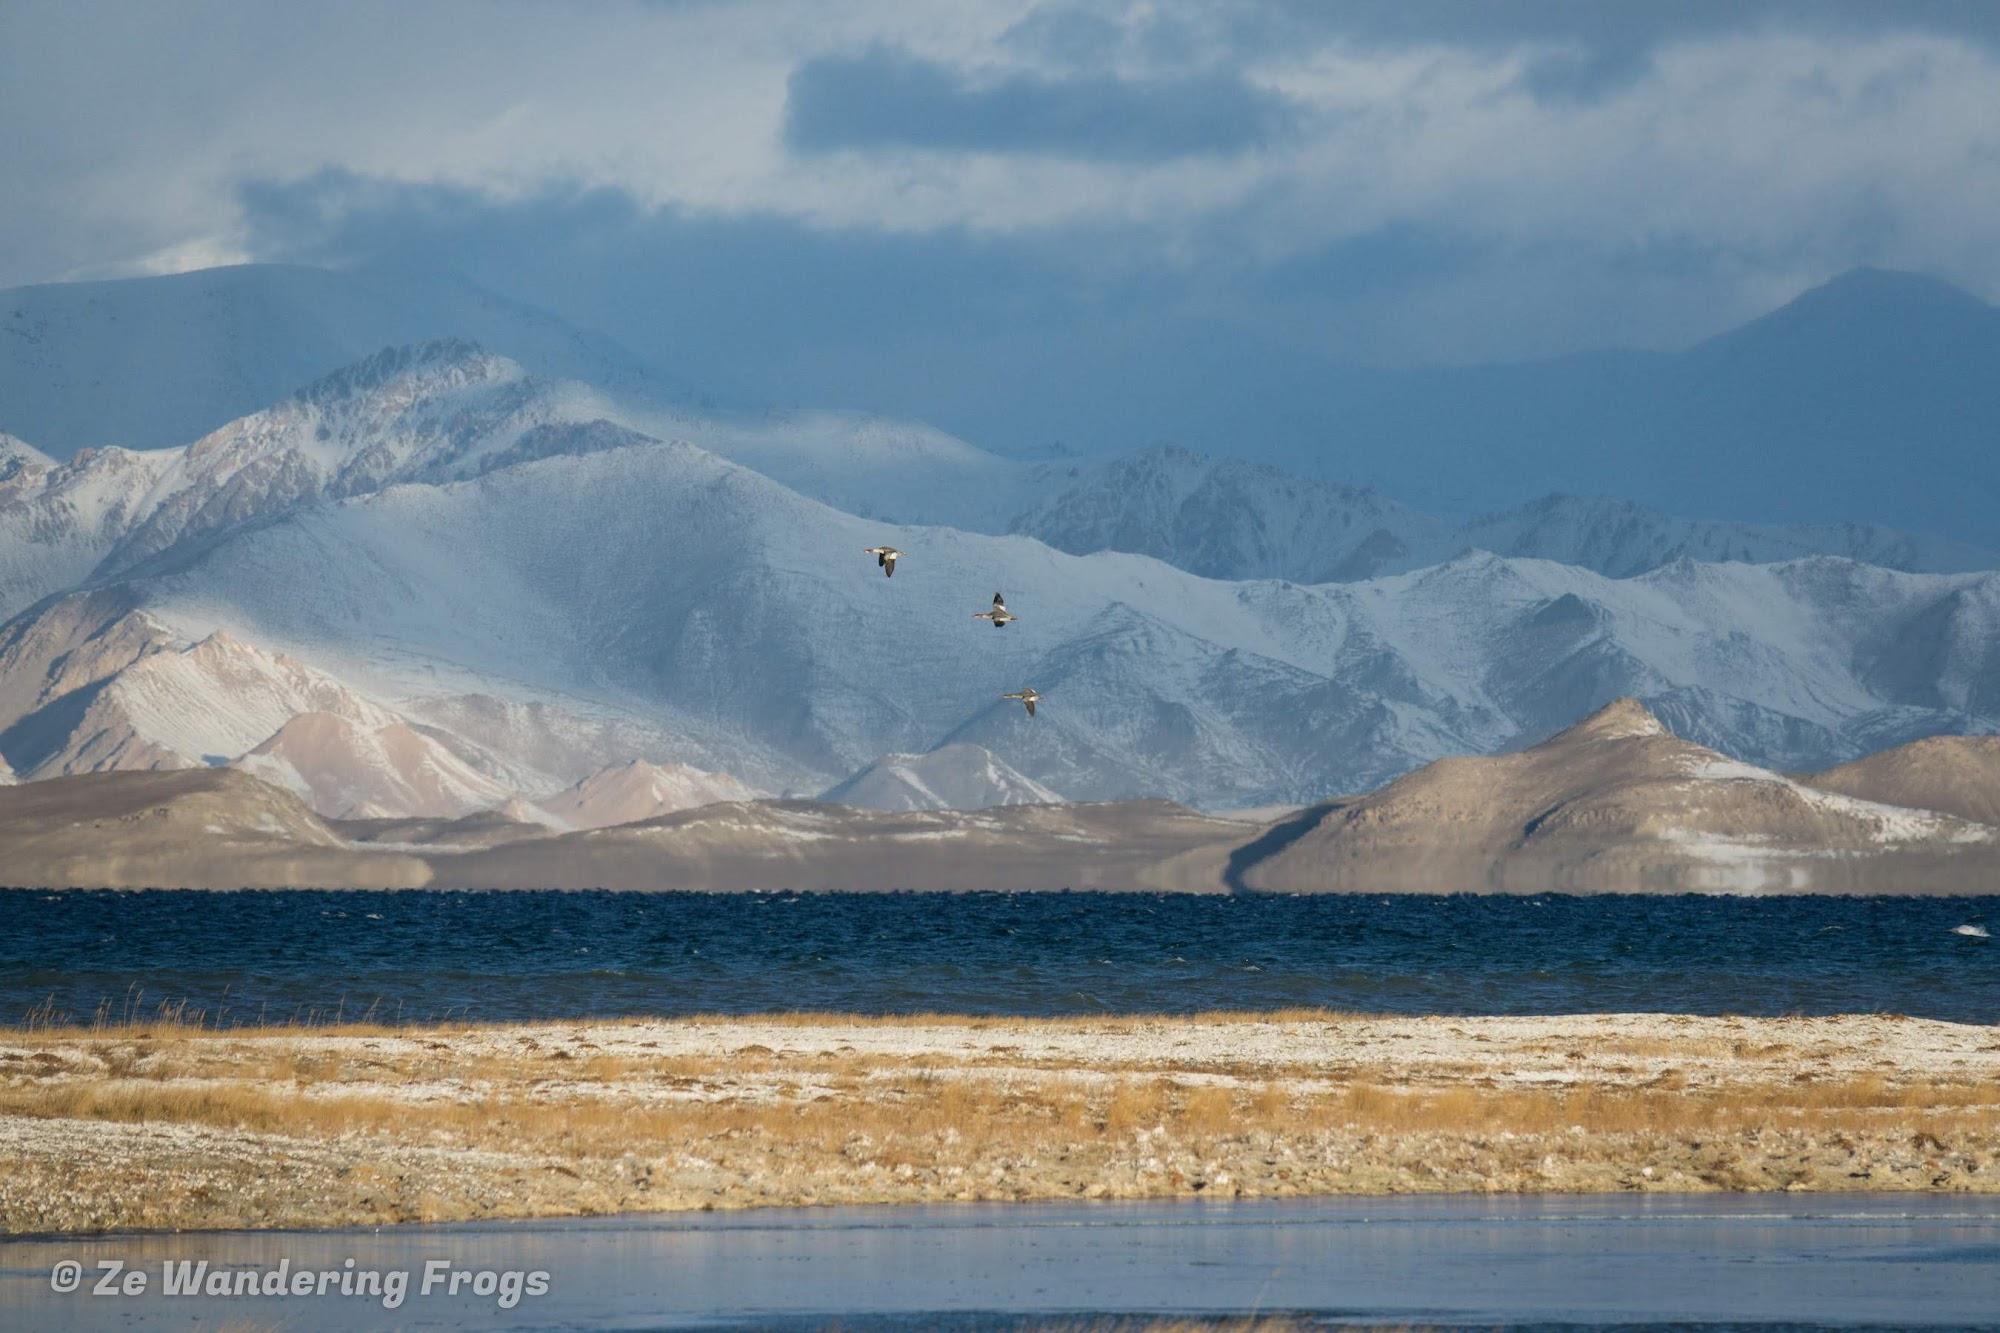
x,y
1959,775
186,828
1616,803
743,845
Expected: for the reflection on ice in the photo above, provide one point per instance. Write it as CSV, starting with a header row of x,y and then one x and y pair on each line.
x,y
1885,1261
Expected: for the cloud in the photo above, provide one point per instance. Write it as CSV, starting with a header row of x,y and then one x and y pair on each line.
x,y
1114,221
887,98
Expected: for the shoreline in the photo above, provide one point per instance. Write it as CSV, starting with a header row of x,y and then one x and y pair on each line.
x,y
158,1128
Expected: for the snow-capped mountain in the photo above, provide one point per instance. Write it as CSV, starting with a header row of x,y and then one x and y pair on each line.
x,y
1226,519
151,363
1229,519
952,777
1618,538
434,411
122,692
740,620
441,582
58,521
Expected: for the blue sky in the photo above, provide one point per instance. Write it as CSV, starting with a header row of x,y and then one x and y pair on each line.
x,y
1015,217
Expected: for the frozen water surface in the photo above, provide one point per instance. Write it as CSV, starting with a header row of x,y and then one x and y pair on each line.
x,y
1450,1261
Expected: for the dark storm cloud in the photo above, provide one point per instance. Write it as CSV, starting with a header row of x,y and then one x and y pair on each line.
x,y
1009,341
1109,222
887,98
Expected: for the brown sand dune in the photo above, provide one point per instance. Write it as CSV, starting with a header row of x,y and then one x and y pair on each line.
x,y
1959,775
1617,803
629,792
186,828
745,845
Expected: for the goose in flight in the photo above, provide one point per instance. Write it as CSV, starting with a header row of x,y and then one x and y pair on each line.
x,y
999,615
885,556
1026,696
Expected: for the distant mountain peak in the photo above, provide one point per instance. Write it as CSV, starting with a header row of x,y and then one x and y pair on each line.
x,y
17,454
1888,285
453,360
1620,719
1864,301
636,790
959,776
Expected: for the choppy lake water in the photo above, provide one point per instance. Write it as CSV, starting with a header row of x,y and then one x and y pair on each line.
x,y
311,955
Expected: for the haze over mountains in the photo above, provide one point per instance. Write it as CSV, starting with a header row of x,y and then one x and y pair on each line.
x,y
1872,399
441,579
151,363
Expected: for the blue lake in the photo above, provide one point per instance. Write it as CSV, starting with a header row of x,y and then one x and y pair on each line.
x,y
314,956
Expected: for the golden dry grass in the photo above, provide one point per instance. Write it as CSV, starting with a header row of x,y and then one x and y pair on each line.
x,y
428,1124
934,1109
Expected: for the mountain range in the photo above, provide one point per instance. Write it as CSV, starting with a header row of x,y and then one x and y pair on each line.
x,y
1873,398
440,579
1614,803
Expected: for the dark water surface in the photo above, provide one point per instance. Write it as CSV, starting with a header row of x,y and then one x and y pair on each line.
x,y
313,955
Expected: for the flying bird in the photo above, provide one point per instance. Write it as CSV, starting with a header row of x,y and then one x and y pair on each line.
x,y
885,556
999,615
1026,696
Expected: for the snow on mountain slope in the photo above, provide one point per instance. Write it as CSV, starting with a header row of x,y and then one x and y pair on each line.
x,y
951,777
436,410
15,453
727,611
628,792
350,769
58,521
103,687
1225,518
219,698
876,467
498,563
1620,539
151,363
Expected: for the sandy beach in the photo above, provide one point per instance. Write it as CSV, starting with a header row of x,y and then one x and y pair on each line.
x,y
163,1127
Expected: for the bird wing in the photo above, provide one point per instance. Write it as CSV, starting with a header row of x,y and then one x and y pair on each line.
x,y
889,565
998,605
1031,706
881,560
